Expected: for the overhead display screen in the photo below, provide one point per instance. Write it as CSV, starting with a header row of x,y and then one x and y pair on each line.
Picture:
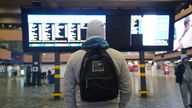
x,y
64,30
58,30
183,33
154,29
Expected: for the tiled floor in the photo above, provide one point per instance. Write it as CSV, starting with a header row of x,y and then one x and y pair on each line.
x,y
164,93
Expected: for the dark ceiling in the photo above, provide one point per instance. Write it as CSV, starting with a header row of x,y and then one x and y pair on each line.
x,y
16,4
11,8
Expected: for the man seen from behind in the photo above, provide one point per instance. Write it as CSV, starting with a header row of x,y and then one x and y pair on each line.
x,y
95,39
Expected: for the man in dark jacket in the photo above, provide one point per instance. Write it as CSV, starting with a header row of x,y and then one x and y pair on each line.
x,y
183,74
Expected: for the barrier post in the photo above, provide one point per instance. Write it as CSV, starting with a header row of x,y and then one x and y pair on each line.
x,y
57,92
143,91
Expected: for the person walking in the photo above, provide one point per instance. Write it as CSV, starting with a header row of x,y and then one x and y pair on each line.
x,y
50,78
183,74
95,39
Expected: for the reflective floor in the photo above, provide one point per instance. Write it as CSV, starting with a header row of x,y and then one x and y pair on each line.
x,y
164,93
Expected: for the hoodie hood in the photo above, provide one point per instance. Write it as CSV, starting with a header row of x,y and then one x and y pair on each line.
x,y
95,35
95,28
95,42
183,56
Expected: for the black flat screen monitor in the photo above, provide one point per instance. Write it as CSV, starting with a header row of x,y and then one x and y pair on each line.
x,y
53,31
64,30
154,31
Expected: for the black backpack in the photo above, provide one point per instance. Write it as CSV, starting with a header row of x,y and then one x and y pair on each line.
x,y
98,77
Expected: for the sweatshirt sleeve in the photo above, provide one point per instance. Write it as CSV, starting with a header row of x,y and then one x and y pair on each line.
x,y
69,87
125,85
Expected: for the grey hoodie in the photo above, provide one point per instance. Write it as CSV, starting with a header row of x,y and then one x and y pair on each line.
x,y
71,91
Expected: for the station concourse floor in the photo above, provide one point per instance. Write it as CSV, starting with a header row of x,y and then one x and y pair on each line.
x,y
164,93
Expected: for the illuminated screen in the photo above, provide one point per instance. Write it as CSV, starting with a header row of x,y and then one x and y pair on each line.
x,y
154,29
58,30
64,30
183,33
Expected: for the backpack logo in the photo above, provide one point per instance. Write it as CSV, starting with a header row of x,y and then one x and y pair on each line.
x,y
98,77
97,66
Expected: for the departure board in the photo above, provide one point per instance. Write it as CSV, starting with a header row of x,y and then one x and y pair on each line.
x,y
59,30
64,29
154,28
